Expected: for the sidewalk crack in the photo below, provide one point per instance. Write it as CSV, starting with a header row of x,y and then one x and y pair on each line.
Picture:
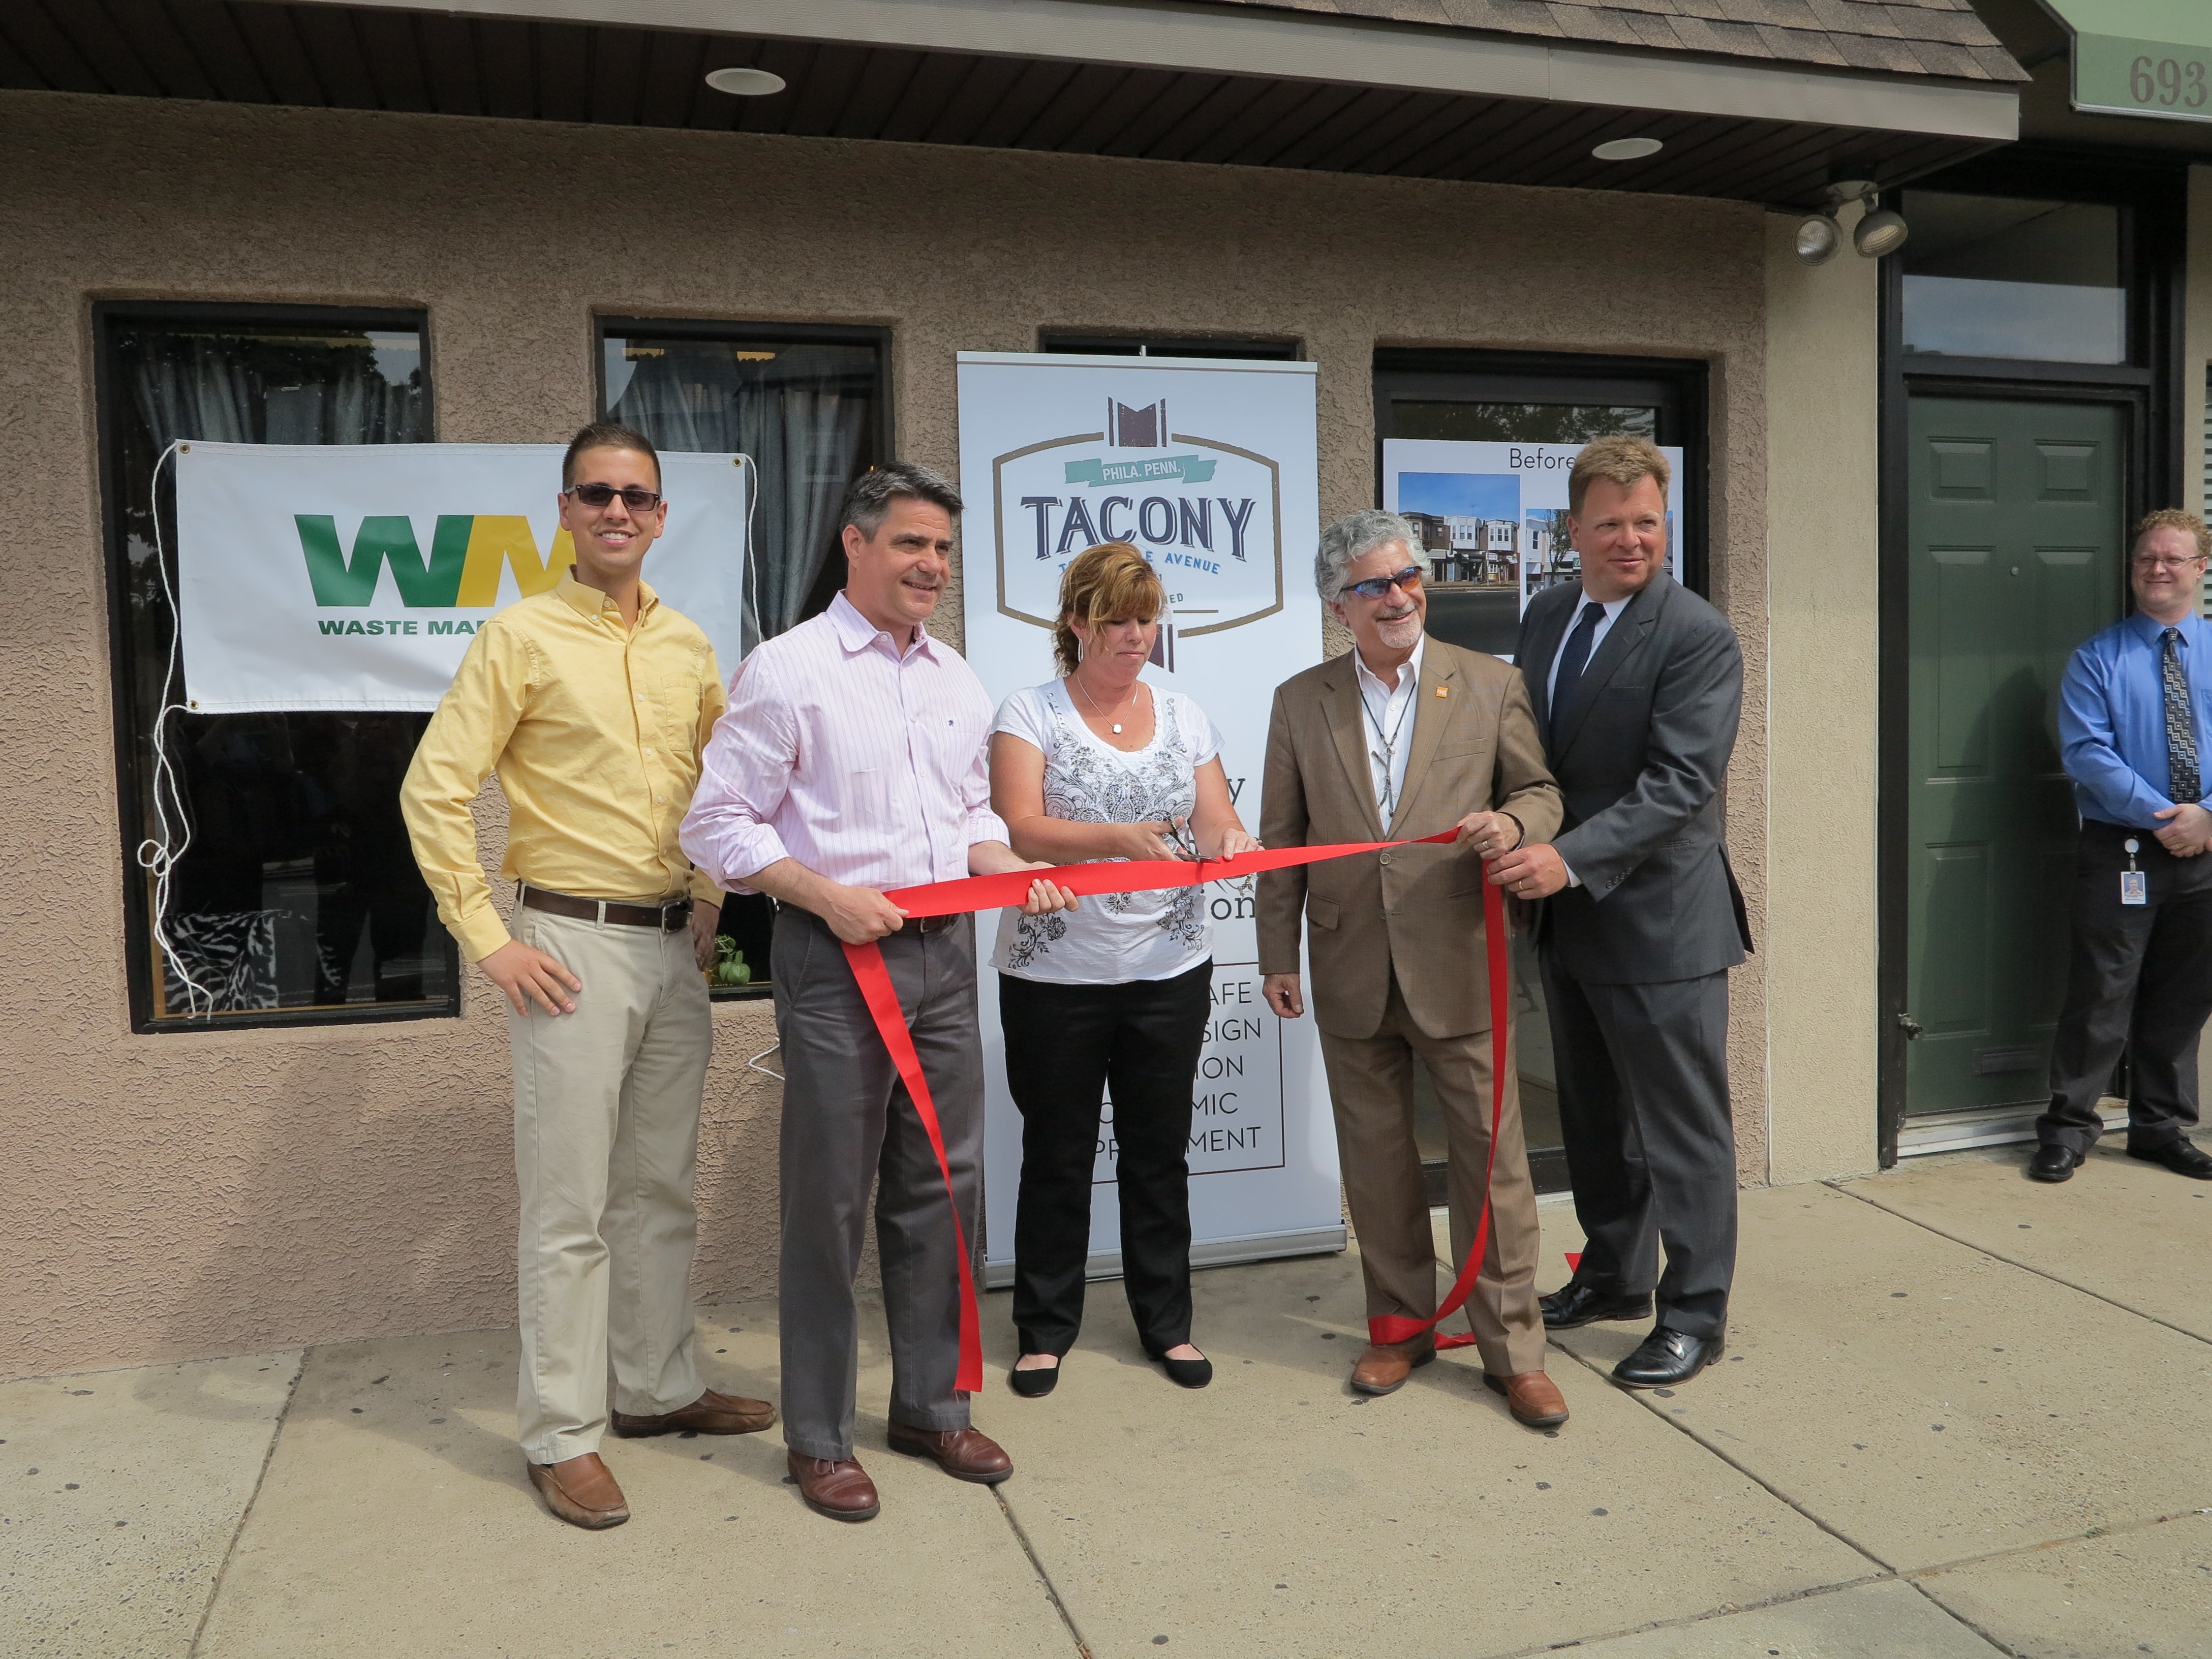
x,y
2014,1261
1051,1591
1600,1369
275,1433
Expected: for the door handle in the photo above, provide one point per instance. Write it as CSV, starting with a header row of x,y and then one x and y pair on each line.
x,y
1910,1025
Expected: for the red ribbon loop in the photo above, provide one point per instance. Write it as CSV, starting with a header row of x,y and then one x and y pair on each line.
x,y
946,898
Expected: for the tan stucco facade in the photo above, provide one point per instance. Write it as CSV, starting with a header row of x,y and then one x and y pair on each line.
x,y
179,1194
1823,491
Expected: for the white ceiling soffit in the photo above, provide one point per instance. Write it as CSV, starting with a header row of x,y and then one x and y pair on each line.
x,y
1336,50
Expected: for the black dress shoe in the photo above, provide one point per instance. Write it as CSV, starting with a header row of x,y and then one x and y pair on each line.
x,y
1034,1384
2180,1156
2056,1163
1666,1359
1576,1305
1188,1373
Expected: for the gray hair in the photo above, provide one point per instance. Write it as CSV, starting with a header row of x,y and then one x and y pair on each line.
x,y
869,498
1351,539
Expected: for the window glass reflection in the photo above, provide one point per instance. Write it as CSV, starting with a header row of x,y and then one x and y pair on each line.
x,y
2005,277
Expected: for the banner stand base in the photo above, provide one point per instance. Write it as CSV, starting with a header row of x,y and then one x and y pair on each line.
x,y
1206,1253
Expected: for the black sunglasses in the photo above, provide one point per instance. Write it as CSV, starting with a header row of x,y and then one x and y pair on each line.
x,y
636,498
1376,587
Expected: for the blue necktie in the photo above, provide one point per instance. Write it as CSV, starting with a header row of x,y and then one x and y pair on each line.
x,y
1574,657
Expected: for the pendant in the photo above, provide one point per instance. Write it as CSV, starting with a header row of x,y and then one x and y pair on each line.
x,y
1117,731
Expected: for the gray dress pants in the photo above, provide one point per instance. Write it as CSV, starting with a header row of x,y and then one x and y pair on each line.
x,y
847,1124
1643,1110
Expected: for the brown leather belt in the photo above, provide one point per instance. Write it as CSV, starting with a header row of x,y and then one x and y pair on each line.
x,y
666,918
912,926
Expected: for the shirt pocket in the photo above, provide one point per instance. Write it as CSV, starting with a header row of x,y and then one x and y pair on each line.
x,y
680,695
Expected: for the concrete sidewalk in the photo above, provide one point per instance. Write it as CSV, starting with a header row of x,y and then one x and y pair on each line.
x,y
1961,1415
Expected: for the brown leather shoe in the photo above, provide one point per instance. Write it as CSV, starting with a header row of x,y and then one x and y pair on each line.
x,y
1533,1398
581,1490
839,1489
710,1414
963,1454
1385,1367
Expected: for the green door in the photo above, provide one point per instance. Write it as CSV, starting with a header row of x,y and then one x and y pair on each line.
x,y
2016,546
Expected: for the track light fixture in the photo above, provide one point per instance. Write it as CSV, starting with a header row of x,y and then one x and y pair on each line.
x,y
1878,231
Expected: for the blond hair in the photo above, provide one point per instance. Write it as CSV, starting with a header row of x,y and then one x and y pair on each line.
x,y
2173,517
1622,458
1110,582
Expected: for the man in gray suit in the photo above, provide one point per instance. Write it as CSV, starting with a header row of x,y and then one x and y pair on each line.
x,y
1637,684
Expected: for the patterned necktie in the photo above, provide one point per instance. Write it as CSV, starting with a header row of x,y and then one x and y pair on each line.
x,y
1574,657
2180,725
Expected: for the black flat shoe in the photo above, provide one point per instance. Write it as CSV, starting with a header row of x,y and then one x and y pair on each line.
x,y
1666,1359
2180,1156
1190,1373
1034,1384
1576,1305
2056,1163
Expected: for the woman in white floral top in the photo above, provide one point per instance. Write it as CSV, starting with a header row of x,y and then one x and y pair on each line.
x,y
1114,995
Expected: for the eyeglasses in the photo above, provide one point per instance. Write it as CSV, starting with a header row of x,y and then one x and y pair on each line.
x,y
1376,587
636,498
2153,562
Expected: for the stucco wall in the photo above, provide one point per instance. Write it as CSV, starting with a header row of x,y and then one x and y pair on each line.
x,y
1822,515
173,1195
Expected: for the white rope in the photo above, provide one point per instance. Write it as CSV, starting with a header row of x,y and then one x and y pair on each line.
x,y
161,853
752,562
755,1062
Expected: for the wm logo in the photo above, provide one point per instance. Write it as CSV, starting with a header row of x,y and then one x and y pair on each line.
x,y
467,553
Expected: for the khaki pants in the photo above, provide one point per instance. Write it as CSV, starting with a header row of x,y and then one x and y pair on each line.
x,y
606,1133
1370,1086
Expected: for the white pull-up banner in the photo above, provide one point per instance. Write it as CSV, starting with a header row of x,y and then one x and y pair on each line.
x,y
354,575
1209,467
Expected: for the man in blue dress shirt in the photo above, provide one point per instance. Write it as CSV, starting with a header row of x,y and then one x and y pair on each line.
x,y
2135,728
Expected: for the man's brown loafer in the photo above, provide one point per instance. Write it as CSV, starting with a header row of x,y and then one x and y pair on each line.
x,y
963,1454
710,1414
839,1488
1533,1398
581,1490
1385,1367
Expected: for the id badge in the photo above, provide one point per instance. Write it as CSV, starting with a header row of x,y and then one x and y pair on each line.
x,y
2135,887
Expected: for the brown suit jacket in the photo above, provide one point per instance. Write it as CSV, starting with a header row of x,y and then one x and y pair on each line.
x,y
1475,748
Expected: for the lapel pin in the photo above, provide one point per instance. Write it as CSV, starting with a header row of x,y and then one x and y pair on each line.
x,y
1441,690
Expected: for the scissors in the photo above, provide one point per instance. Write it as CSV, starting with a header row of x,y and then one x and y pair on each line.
x,y
1183,841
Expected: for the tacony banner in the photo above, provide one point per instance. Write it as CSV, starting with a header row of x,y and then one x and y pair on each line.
x,y
354,575
1209,467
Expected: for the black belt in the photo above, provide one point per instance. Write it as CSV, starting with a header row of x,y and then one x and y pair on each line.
x,y
671,918
913,924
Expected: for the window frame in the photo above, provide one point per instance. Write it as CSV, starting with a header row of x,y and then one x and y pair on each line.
x,y
1683,385
131,781
1076,343
620,326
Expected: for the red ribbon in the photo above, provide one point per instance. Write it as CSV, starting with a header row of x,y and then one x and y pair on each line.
x,y
946,898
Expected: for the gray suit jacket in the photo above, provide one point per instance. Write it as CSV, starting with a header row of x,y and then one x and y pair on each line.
x,y
1639,753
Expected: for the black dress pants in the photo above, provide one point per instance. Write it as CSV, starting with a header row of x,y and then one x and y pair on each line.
x,y
1643,1111
1066,1046
2138,975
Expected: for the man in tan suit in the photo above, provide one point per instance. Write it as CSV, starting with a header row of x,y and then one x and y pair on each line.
x,y
1402,737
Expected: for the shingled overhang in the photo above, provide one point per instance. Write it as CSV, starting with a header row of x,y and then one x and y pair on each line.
x,y
1762,100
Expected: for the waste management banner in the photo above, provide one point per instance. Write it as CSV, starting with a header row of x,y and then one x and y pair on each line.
x,y
354,575
1209,467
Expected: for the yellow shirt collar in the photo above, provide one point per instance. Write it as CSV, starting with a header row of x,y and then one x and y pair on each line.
x,y
590,602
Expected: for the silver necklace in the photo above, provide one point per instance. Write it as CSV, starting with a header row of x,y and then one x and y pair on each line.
x,y
1093,701
1388,754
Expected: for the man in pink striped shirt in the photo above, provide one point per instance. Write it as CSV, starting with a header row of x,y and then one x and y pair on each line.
x,y
852,759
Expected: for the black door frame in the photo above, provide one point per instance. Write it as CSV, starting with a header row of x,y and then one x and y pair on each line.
x,y
2153,254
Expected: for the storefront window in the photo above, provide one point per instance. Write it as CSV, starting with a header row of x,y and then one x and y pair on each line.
x,y
807,405
296,896
2007,276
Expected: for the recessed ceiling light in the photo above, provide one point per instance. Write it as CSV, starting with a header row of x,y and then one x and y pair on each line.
x,y
1627,150
745,82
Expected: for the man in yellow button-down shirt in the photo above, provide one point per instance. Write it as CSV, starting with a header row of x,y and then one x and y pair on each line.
x,y
592,702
